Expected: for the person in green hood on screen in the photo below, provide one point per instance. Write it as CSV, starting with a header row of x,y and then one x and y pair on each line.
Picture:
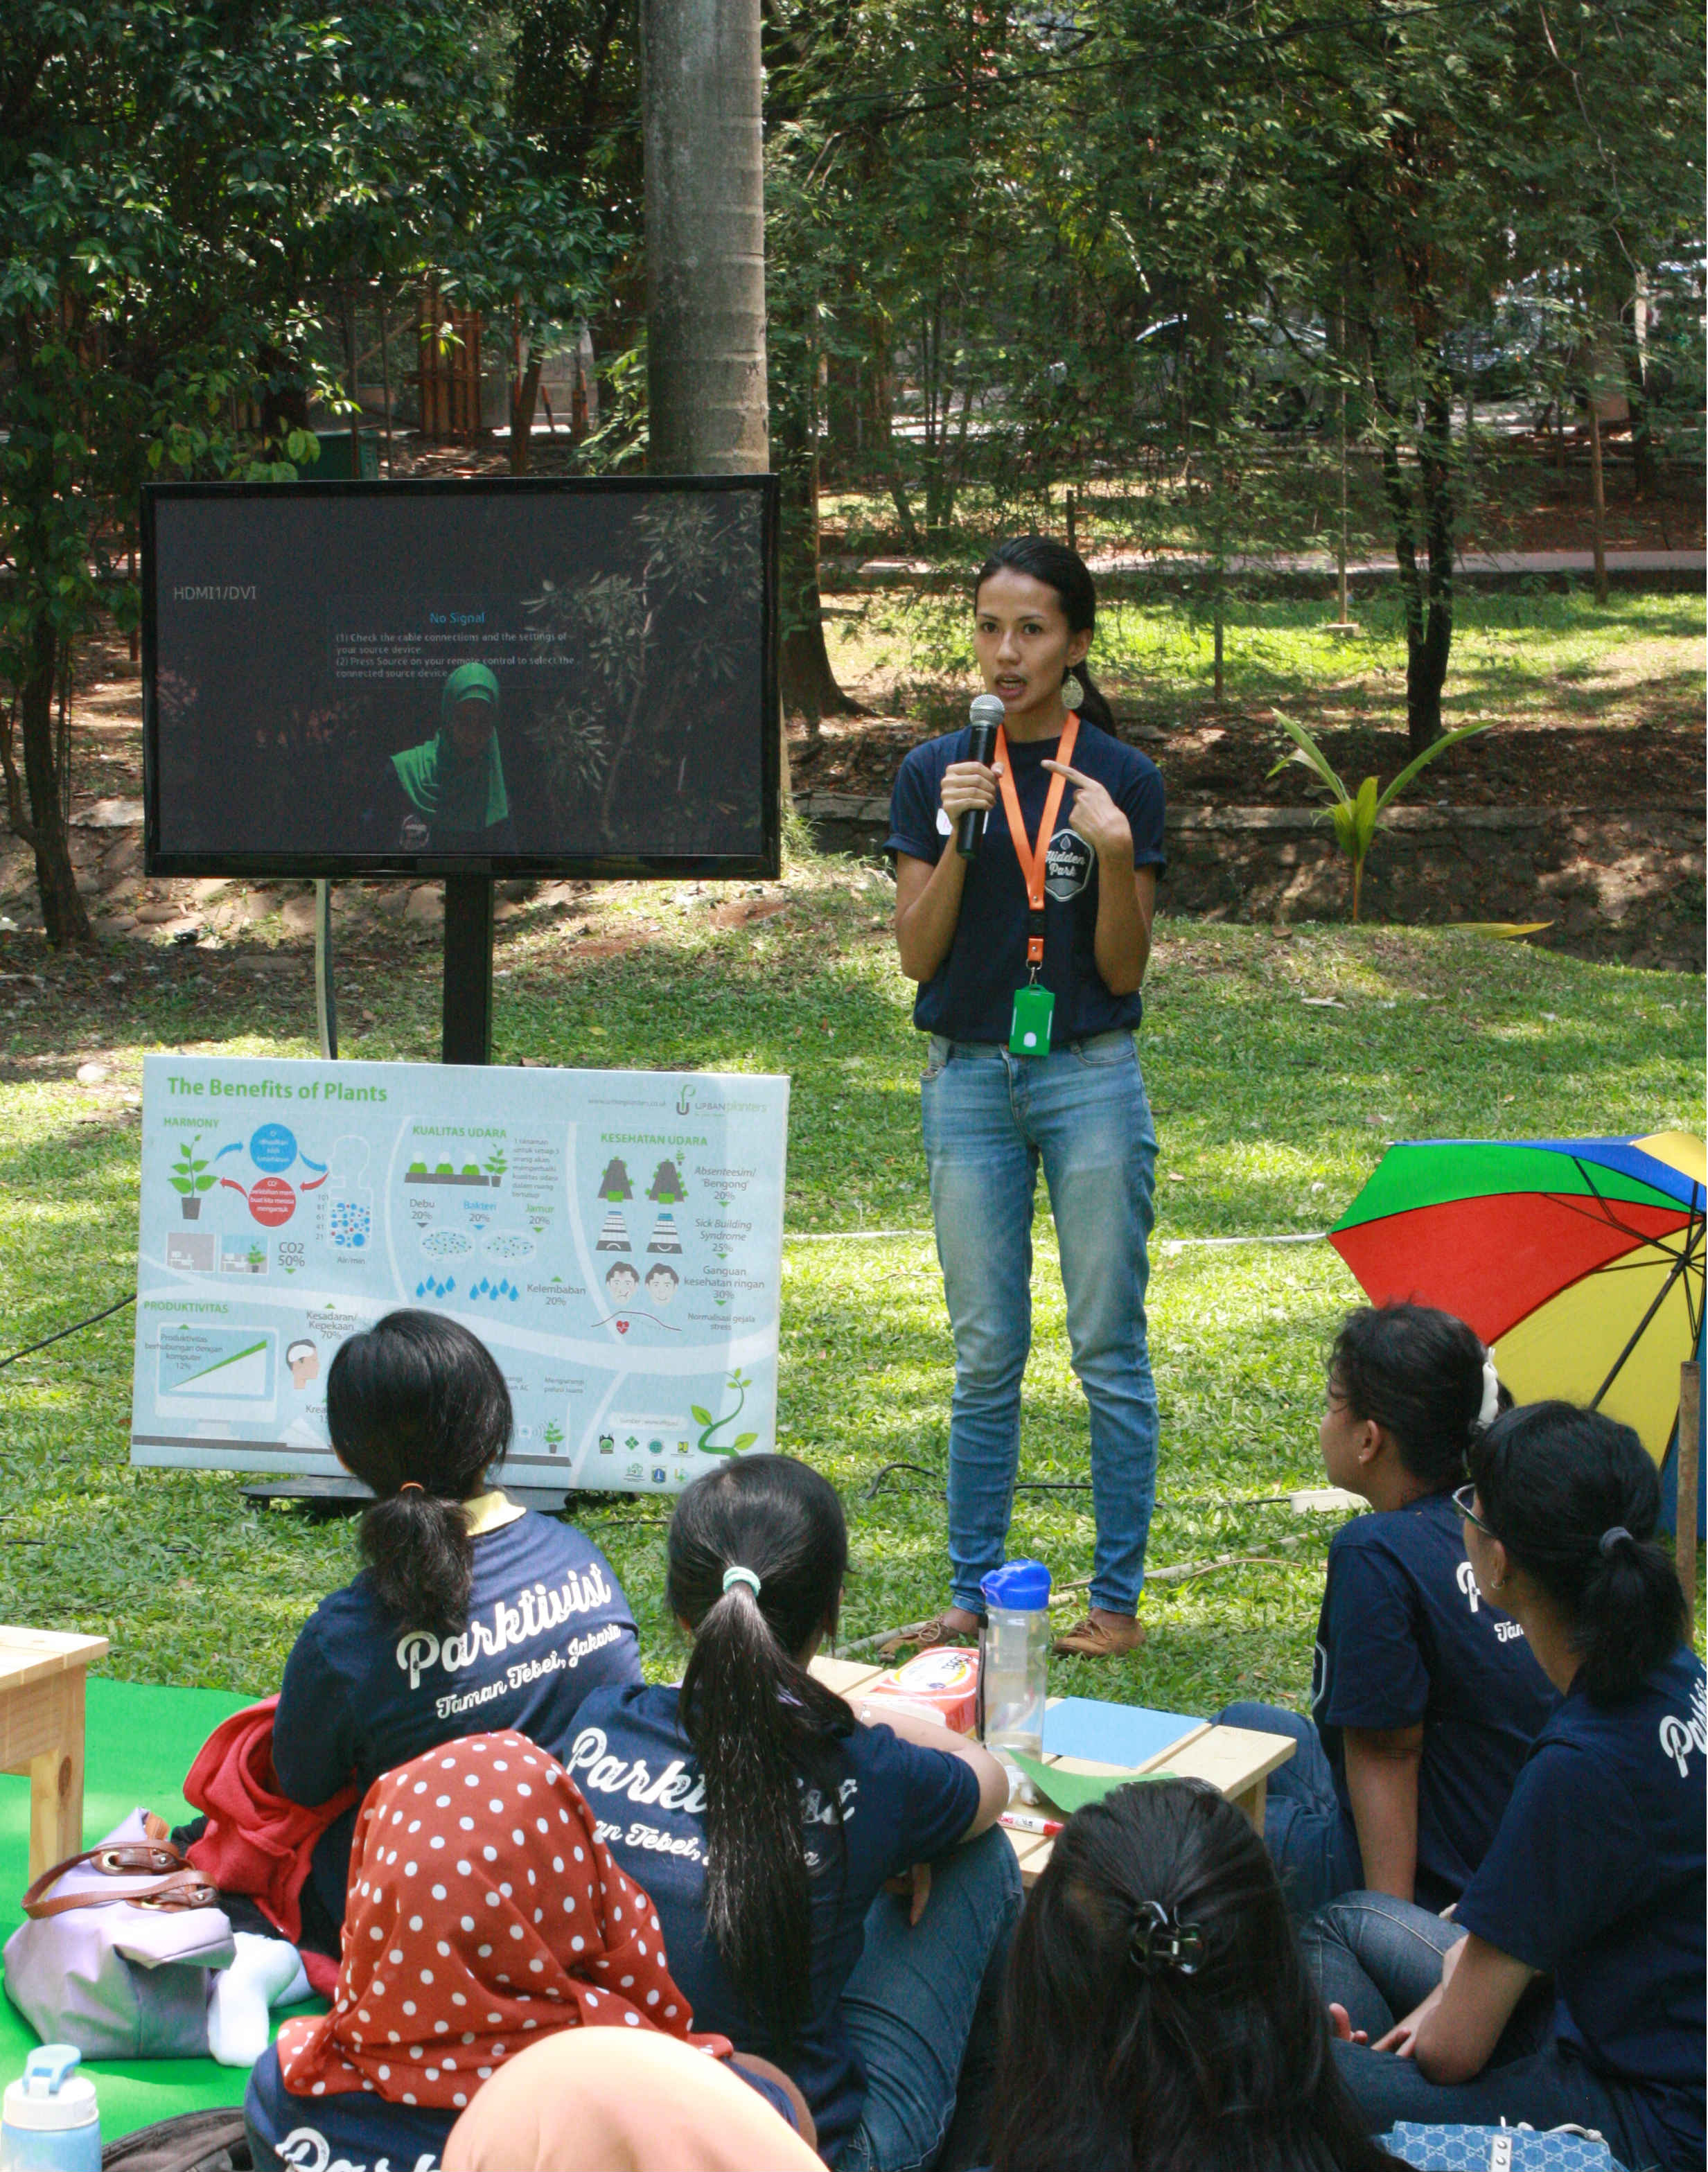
x,y
455,781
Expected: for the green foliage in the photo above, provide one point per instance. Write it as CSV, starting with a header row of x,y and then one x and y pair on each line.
x,y
1357,815
188,1173
174,200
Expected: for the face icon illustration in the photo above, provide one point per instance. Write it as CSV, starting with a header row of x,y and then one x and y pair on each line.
x,y
305,1361
621,1284
661,1283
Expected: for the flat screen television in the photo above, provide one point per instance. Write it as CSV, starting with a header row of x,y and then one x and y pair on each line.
x,y
503,677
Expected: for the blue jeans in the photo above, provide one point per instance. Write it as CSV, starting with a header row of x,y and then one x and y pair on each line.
x,y
989,1118
1379,1958
1312,1841
921,2007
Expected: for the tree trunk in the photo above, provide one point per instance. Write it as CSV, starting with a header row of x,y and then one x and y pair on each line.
x,y
1427,593
808,682
705,238
1597,498
524,398
63,909
706,394
1644,480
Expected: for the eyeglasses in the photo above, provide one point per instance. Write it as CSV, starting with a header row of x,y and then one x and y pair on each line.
x,y
1462,1501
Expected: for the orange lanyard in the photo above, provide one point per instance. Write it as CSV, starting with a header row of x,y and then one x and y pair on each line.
x,y
1032,857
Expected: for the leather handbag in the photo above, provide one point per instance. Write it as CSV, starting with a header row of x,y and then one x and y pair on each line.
x,y
116,1948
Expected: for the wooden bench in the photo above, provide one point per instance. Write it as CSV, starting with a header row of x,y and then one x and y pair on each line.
x,y
1236,1760
41,1733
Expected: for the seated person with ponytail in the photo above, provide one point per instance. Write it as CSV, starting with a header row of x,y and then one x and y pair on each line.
x,y
1427,1697
473,1614
1158,2017
1595,1878
765,1822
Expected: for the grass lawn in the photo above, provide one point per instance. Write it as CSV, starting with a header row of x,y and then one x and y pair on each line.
x,y
1519,656
1271,1112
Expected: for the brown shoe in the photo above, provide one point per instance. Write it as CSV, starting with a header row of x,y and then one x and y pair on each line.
x,y
1101,1635
950,1628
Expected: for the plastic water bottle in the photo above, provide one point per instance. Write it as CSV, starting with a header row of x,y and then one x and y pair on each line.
x,y
50,2122
1014,1673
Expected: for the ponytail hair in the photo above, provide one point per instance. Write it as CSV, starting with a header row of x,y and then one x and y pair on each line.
x,y
1574,1497
764,1731
1419,1374
1067,572
418,1403
1158,2013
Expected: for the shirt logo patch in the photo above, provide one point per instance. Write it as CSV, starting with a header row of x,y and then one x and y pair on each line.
x,y
1466,1576
1679,1738
1068,867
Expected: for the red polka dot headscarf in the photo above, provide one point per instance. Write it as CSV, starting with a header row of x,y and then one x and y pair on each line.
x,y
481,1915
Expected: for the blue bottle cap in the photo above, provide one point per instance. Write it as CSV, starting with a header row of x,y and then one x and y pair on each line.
x,y
1023,1587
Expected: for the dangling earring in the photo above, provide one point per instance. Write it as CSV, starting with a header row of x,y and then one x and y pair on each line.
x,y
1073,694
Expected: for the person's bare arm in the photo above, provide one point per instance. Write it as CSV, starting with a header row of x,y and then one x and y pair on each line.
x,y
1126,904
1453,2033
928,898
1381,1778
1126,894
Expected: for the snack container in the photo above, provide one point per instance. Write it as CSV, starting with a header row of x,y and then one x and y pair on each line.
x,y
943,1685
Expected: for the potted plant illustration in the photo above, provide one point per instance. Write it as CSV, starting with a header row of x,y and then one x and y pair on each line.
x,y
710,1426
189,1178
496,1165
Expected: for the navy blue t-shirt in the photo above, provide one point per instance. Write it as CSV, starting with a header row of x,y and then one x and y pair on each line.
x,y
1405,1637
357,2131
970,995
547,1622
900,1804
360,2133
1596,1878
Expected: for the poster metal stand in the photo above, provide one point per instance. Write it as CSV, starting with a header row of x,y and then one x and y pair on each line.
x,y
467,1030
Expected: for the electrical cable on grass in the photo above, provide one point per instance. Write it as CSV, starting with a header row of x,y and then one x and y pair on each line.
x,y
30,1349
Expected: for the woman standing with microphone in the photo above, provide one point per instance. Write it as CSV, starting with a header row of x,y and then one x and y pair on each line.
x,y
1029,957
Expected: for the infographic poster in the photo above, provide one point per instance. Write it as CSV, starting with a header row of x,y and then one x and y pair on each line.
x,y
614,1236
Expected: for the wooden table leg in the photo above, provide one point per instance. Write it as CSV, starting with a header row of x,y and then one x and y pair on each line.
x,y
56,1785
1251,1800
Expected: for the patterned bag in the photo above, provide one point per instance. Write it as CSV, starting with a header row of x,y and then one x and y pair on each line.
x,y
1498,2148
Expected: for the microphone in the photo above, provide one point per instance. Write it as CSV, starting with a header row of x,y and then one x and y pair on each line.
x,y
986,713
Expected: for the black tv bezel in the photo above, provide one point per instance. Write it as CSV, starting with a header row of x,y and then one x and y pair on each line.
x,y
766,863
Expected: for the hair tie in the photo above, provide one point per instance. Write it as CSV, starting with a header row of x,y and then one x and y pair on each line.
x,y
1610,1539
741,1576
411,1486
1490,1409
1161,1940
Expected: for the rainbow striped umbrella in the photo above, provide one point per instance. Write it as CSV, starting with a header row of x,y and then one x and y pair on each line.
x,y
1579,1261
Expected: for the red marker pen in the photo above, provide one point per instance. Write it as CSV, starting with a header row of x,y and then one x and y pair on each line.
x,y
1021,1821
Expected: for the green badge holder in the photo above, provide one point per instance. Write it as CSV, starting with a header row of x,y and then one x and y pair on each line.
x,y
1030,1034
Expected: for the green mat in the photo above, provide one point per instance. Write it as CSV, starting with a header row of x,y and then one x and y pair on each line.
x,y
141,1743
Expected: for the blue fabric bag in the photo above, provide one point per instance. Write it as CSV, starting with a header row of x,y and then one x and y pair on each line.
x,y
1498,2148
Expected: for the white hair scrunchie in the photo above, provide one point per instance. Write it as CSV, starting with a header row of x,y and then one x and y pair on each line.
x,y
1491,1392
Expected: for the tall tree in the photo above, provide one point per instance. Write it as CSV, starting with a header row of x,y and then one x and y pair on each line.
x,y
174,199
705,238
